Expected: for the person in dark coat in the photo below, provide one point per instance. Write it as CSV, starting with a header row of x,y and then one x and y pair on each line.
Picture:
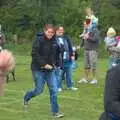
x,y
67,58
112,95
43,68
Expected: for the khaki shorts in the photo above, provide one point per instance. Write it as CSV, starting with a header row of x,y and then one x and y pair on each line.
x,y
90,59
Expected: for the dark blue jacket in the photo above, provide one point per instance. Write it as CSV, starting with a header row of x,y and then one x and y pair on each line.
x,y
61,49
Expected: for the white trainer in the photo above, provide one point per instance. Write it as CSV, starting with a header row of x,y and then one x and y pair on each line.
x,y
58,115
59,89
94,81
73,88
83,80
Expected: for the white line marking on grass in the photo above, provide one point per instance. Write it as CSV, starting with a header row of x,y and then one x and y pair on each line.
x,y
71,98
8,98
11,110
8,103
9,90
61,96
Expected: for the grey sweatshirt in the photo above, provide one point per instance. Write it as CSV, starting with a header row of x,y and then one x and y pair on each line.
x,y
93,41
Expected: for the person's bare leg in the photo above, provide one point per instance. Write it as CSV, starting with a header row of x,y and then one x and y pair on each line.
x,y
87,72
94,73
94,80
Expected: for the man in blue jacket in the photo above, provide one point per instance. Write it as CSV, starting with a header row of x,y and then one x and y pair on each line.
x,y
43,65
66,58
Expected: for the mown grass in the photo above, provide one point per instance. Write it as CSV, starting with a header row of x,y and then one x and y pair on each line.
x,y
84,104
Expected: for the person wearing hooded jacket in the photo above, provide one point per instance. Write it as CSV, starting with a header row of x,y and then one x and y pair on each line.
x,y
43,69
112,95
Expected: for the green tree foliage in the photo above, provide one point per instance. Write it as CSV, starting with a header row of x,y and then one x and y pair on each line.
x,y
115,3
26,17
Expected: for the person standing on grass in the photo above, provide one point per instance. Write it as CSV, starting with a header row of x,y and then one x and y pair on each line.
x,y
43,68
67,57
75,54
112,95
2,38
91,38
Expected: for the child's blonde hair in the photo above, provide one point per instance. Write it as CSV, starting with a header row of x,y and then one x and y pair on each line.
x,y
89,11
111,32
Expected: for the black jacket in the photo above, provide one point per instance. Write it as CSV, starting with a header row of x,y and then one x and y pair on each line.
x,y
43,52
112,94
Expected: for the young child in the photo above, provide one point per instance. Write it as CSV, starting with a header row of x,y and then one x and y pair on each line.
x,y
75,53
91,18
110,39
110,42
90,22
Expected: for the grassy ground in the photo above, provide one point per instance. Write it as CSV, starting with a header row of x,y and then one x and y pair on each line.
x,y
84,104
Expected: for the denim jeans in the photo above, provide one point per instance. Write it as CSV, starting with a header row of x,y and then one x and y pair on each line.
x,y
114,117
40,78
74,65
67,73
112,61
58,74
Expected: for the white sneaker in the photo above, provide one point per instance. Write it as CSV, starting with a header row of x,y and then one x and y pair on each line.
x,y
58,115
59,89
93,82
114,64
83,80
72,88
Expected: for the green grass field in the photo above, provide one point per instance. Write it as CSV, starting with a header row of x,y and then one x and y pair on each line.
x,y
84,104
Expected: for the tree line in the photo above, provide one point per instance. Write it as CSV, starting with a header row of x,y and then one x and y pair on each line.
x,y
26,17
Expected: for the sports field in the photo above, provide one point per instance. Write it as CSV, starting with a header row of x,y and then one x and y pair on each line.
x,y
84,104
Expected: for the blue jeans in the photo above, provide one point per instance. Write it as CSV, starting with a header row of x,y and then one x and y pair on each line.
x,y
114,117
67,73
58,74
112,61
40,77
74,65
